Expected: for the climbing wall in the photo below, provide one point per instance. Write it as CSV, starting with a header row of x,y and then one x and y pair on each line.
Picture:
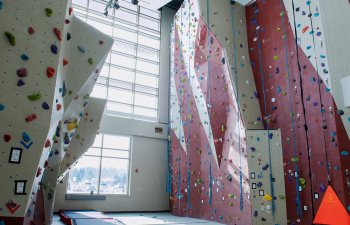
x,y
261,144
52,71
298,101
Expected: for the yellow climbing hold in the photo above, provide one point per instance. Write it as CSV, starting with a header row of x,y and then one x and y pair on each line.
x,y
72,125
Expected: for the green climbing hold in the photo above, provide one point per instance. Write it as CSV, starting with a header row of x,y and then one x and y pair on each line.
x,y
35,96
302,180
190,116
87,96
282,197
191,103
237,218
199,181
54,138
214,113
229,219
91,61
232,143
223,128
192,172
199,191
225,89
171,198
199,151
201,213
66,149
70,92
199,162
78,136
48,12
183,80
195,135
230,196
182,111
276,57
199,123
231,204
292,114
284,93
11,38
293,160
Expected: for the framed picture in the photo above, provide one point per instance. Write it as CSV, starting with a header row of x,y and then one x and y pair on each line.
x,y
253,185
15,155
261,192
20,187
252,175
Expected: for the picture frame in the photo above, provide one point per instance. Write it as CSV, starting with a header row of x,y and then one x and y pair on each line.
x,y
15,155
261,193
253,185
252,175
20,187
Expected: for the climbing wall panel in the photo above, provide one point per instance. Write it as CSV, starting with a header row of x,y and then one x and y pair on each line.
x,y
261,144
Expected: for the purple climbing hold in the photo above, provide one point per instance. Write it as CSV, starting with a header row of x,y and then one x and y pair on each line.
x,y
293,223
262,29
252,63
253,149
277,70
271,135
322,186
304,67
54,49
315,104
303,13
258,119
254,21
323,65
275,49
265,167
256,95
256,213
335,144
320,163
318,33
259,184
45,106
274,107
20,83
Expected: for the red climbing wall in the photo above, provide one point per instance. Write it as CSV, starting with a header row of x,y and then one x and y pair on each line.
x,y
313,128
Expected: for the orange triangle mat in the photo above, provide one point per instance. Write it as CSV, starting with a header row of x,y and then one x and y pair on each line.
x,y
331,211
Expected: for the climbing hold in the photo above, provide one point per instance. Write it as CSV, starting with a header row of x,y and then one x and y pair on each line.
x,y
54,49
25,137
31,30
101,42
1,4
256,213
45,106
265,167
67,21
305,29
223,60
22,72
259,184
87,96
78,136
70,10
64,89
59,107
11,38
229,177
24,57
230,196
58,33
91,61
223,128
344,153
35,96
276,57
20,83
302,180
31,118
284,93
281,196
231,204
48,12
7,138
336,168
48,143
340,112
82,49
65,62
68,36
50,72
293,160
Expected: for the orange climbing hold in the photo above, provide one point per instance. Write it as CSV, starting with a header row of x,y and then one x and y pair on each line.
x,y
305,29
331,211
58,33
31,118
65,62
70,10
50,72
59,107
48,143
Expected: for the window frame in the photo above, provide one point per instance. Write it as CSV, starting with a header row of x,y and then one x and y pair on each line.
x,y
127,189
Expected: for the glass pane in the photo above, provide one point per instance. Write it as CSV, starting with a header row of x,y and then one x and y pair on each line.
x,y
80,11
124,34
127,4
123,61
145,112
80,2
99,91
146,80
147,54
123,47
108,59
130,17
104,28
83,178
99,7
149,23
149,32
121,84
123,75
116,142
121,24
119,107
102,80
115,153
114,176
93,151
104,71
147,67
100,16
149,13
118,95
145,100
98,141
81,18
149,42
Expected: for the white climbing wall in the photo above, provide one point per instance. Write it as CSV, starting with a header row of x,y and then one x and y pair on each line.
x,y
257,159
78,75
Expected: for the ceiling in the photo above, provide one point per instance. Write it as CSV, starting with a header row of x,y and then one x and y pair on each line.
x,y
245,2
153,4
174,4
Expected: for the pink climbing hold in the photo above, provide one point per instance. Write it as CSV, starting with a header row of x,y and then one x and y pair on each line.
x,y
202,35
58,33
68,164
97,70
67,21
31,30
7,138
101,42
22,72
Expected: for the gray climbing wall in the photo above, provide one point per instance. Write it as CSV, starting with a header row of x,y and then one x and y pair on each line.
x,y
64,95
257,140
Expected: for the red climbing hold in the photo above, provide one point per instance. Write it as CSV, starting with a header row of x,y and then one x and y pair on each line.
x,y
101,42
67,21
202,36
48,143
55,141
305,29
59,107
58,33
50,72
65,62
39,172
22,72
31,30
46,162
31,118
70,10
7,138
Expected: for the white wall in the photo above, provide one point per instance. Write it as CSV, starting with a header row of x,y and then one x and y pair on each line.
x,y
149,150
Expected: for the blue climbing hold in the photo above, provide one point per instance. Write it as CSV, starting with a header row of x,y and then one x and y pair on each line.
x,y
278,90
344,153
251,49
1,3
311,32
81,115
270,75
336,168
241,64
256,11
327,90
348,118
221,216
239,32
20,83
308,47
316,14
25,137
323,57
45,106
308,2
299,25
333,134
322,110
2,107
2,222
258,139
313,79
214,210
262,29
81,48
24,57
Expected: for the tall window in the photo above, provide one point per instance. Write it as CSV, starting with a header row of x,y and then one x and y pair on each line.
x,y
129,78
104,168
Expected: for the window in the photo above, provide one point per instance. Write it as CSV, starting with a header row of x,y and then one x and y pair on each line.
x,y
129,78
104,168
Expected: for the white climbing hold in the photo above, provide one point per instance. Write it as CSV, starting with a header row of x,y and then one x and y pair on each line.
x,y
273,99
255,39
